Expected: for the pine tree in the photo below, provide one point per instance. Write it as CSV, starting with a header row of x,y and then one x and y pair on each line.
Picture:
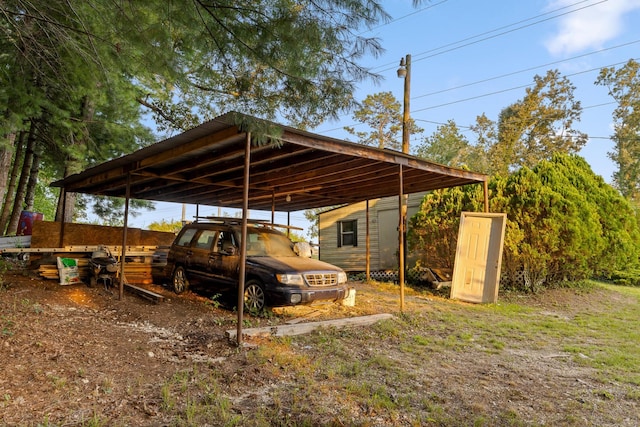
x,y
624,87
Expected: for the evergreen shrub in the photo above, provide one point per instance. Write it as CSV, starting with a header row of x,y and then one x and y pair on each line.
x,y
564,223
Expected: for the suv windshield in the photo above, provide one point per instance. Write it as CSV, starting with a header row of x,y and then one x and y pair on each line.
x,y
268,243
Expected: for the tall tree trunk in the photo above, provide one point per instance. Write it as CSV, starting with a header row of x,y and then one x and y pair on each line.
x,y
69,201
6,155
7,148
10,189
33,182
74,164
21,190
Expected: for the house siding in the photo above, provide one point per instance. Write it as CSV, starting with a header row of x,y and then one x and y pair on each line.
x,y
353,258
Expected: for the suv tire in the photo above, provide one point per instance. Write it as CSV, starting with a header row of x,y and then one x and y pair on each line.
x,y
254,297
180,282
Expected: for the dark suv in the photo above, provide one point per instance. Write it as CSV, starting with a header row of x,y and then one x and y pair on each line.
x,y
207,253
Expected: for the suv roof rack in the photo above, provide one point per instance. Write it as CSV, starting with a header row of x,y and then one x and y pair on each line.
x,y
238,221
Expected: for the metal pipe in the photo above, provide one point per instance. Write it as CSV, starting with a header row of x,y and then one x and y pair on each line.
x,y
368,247
401,213
124,237
485,188
243,240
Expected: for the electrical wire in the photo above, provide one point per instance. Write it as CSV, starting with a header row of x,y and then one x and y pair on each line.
x,y
524,70
512,88
393,21
511,73
439,50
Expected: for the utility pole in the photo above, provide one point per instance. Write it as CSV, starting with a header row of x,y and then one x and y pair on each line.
x,y
404,72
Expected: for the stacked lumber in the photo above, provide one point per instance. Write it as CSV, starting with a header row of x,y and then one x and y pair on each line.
x,y
138,272
50,271
137,267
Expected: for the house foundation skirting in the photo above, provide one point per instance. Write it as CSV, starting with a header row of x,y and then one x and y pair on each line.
x,y
412,276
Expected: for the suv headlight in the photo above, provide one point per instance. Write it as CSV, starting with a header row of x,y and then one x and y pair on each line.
x,y
290,279
342,277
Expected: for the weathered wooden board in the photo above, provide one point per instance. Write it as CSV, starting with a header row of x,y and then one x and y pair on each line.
x,y
305,328
144,293
46,234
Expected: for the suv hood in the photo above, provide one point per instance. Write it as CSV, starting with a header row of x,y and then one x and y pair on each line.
x,y
292,264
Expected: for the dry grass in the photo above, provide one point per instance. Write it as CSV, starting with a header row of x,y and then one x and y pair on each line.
x,y
563,358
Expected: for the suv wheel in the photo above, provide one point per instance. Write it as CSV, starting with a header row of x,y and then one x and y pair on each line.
x,y
254,299
180,281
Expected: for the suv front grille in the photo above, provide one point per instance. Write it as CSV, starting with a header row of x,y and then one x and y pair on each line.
x,y
321,279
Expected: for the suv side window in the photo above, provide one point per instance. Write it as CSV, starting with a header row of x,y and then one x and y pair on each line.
x,y
186,237
226,241
205,239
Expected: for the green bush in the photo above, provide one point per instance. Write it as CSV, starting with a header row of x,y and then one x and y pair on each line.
x,y
630,277
563,223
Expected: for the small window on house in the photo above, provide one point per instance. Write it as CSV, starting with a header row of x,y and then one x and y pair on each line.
x,y
348,233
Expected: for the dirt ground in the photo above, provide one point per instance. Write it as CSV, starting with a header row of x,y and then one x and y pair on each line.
x,y
73,354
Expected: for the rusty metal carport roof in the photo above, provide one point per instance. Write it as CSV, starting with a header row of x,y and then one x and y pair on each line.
x,y
205,165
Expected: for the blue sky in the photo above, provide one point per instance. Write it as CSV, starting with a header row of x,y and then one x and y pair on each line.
x,y
472,57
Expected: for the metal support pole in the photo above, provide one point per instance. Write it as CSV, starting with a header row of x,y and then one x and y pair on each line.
x,y
63,194
401,212
243,240
368,247
486,195
273,206
124,237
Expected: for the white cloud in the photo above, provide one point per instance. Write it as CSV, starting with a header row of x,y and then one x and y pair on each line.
x,y
590,27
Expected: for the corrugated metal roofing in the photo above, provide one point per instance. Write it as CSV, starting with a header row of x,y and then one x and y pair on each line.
x,y
205,165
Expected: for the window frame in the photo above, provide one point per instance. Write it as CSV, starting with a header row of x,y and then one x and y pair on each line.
x,y
353,233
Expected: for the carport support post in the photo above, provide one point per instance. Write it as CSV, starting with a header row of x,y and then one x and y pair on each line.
x,y
63,194
401,215
367,246
243,240
485,188
124,237
273,206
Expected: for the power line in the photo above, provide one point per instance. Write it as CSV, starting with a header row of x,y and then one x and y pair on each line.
x,y
512,88
494,92
519,71
512,73
524,70
439,50
393,21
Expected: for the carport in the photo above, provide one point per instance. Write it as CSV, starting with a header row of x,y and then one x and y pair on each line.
x,y
222,163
